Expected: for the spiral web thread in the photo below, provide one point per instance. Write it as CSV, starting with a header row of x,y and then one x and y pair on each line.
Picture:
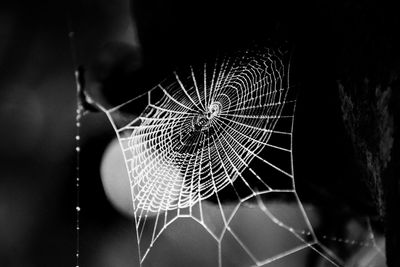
x,y
221,129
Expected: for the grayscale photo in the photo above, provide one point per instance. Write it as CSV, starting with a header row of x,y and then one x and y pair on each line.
x,y
186,133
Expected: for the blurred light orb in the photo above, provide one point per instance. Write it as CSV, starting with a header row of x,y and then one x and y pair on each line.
x,y
115,179
118,189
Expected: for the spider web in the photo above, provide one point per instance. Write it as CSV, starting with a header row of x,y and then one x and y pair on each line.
x,y
218,131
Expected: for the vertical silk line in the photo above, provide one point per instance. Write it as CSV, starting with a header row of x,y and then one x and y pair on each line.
x,y
78,149
79,113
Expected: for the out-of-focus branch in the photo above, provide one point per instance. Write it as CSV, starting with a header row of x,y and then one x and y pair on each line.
x,y
369,119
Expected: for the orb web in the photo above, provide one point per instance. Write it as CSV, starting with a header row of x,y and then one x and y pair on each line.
x,y
222,130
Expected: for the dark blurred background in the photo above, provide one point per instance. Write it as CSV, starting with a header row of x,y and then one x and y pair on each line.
x,y
37,117
134,44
